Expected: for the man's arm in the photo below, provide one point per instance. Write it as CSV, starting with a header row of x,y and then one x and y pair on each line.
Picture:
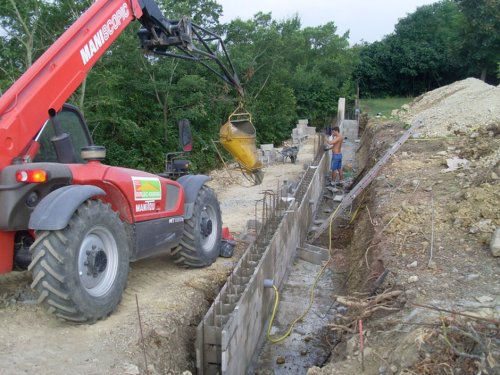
x,y
334,141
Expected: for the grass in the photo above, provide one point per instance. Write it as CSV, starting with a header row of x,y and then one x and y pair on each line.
x,y
384,106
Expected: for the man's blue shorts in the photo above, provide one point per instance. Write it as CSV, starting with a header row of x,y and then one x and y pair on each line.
x,y
336,164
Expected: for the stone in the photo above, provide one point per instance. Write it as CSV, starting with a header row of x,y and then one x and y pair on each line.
x,y
341,310
303,352
382,370
412,279
456,163
130,369
495,243
367,352
483,226
314,371
280,360
472,276
412,265
484,299
394,369
474,135
352,345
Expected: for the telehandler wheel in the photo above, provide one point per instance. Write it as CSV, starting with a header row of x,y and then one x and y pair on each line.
x,y
201,239
81,271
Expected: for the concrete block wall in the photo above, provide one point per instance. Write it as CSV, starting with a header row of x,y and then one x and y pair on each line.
x,y
229,334
302,131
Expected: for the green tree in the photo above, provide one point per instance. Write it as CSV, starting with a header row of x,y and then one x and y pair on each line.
x,y
481,35
423,53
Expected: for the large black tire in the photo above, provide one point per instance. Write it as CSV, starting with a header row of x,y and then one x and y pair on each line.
x,y
201,239
81,271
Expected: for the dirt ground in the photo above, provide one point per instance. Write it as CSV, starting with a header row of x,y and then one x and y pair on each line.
x,y
172,301
437,310
420,245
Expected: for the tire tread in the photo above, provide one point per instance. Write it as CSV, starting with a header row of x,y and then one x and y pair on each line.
x,y
52,257
186,254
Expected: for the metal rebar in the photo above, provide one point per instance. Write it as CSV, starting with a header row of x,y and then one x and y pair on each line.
x,y
142,335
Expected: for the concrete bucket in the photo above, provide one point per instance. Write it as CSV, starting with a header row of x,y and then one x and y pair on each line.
x,y
237,136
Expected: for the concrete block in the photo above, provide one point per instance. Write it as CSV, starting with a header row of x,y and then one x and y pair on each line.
x,y
244,327
272,157
310,130
267,147
495,243
312,254
303,122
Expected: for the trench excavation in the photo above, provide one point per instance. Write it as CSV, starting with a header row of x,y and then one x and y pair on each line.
x,y
223,341
231,339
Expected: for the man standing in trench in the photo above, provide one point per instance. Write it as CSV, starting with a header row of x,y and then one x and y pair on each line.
x,y
336,165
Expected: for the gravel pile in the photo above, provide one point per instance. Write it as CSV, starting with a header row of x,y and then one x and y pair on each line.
x,y
460,108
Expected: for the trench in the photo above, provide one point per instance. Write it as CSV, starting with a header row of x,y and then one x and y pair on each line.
x,y
232,336
309,250
312,283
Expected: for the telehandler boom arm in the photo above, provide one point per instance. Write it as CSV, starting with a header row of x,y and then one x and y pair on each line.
x,y
50,81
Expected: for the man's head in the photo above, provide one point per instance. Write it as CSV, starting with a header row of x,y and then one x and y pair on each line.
x,y
335,130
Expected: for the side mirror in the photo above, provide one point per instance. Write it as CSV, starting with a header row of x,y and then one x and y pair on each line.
x,y
185,136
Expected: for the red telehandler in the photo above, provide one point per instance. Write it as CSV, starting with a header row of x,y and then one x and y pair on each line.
x,y
73,221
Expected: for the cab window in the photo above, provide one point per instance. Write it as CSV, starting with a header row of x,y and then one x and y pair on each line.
x,y
71,123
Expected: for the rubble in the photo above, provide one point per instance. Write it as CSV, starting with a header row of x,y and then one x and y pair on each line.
x,y
459,108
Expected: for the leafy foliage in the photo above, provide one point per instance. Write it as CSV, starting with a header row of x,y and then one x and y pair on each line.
x,y
133,102
434,46
481,28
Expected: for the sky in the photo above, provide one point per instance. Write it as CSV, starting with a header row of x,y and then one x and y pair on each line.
x,y
367,20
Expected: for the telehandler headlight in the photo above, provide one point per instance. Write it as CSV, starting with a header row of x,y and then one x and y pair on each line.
x,y
31,176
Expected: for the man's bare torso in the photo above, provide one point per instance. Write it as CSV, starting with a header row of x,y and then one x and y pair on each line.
x,y
337,143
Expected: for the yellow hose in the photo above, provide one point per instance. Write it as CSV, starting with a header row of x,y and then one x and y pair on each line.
x,y
311,296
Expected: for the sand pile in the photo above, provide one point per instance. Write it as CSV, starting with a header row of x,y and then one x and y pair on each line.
x,y
462,107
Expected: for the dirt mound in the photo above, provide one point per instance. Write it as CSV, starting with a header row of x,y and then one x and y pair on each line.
x,y
460,108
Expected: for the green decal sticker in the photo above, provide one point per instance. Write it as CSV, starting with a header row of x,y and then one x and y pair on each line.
x,y
146,188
